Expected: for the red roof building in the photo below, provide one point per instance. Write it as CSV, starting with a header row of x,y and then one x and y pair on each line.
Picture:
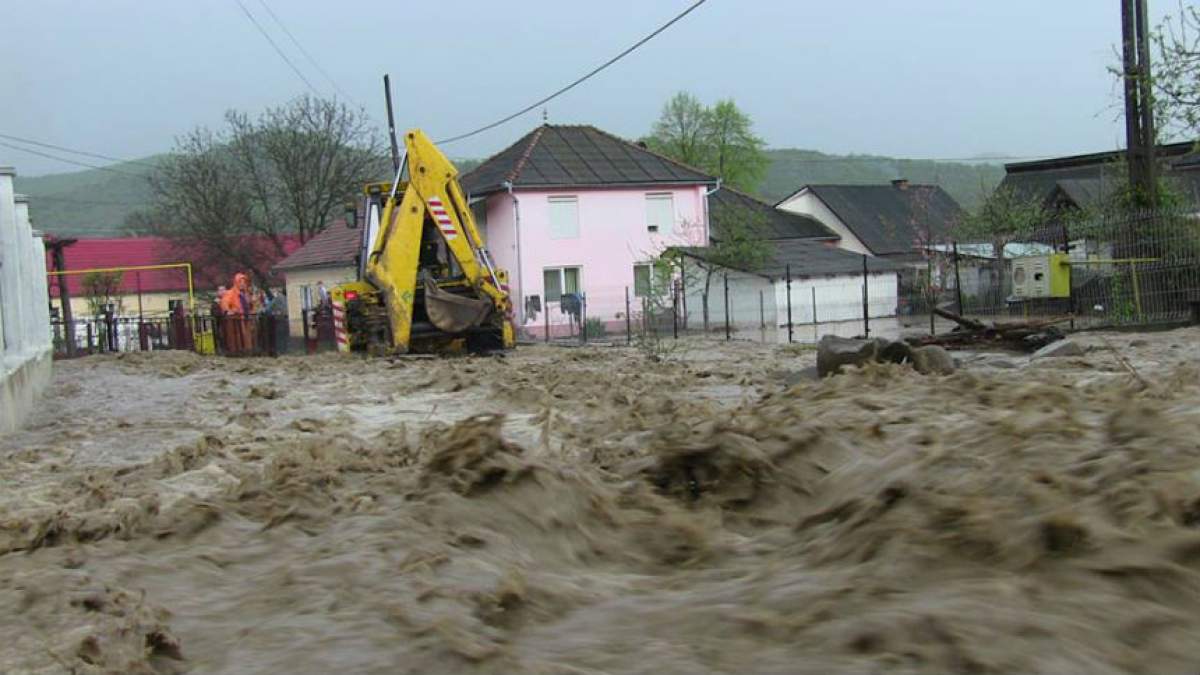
x,y
103,253
335,245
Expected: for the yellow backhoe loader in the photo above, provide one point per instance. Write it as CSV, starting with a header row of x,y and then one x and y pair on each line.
x,y
426,281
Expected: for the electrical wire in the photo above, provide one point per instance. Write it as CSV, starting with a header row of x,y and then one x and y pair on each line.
x,y
71,161
577,82
40,144
276,47
307,56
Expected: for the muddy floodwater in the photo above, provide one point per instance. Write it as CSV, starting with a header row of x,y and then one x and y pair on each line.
x,y
590,510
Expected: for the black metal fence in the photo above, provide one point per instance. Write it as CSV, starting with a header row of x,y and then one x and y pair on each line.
x,y
1138,270
251,335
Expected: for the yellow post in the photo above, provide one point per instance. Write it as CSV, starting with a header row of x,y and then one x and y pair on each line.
x,y
187,267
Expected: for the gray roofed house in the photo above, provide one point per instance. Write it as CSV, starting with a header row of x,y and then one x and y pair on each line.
x,y
555,155
1082,181
894,220
727,206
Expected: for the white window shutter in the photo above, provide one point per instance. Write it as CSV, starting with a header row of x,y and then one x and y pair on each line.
x,y
564,217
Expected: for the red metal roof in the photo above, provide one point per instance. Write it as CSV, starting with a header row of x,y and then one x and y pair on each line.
x,y
103,253
335,245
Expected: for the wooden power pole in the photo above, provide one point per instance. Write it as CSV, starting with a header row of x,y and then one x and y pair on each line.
x,y
1139,102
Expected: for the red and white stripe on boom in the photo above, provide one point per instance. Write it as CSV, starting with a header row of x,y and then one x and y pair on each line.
x,y
442,218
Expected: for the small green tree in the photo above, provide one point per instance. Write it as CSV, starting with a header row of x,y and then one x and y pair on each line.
x,y
1004,217
719,140
681,130
102,289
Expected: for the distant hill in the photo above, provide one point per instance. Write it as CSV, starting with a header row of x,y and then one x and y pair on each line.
x,y
91,203
966,182
95,203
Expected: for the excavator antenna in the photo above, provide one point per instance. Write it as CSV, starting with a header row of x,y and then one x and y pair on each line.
x,y
387,95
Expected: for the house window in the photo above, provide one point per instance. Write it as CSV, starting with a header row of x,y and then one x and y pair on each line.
x,y
660,212
642,275
564,217
559,280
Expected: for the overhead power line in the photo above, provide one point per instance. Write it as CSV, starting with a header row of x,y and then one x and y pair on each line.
x,y
62,148
579,81
71,161
276,47
307,56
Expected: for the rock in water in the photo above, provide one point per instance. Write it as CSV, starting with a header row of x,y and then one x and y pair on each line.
x,y
1060,348
932,360
833,352
894,352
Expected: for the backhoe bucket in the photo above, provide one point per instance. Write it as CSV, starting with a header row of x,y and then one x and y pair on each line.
x,y
452,313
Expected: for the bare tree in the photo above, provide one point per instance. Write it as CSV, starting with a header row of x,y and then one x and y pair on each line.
x,y
231,199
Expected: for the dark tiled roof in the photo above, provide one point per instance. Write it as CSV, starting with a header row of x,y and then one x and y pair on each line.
x,y
889,219
1038,180
335,245
810,258
727,205
576,156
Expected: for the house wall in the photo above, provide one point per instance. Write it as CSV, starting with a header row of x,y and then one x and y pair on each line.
x,y
612,238
807,203
838,298
25,343
752,299
297,279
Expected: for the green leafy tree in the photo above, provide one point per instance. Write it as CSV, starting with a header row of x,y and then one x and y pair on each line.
x,y
737,153
1004,217
719,140
681,130
1176,76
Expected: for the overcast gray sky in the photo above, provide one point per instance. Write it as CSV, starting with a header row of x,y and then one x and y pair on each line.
x,y
914,78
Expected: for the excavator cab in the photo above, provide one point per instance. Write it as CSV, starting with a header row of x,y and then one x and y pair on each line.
x,y
426,280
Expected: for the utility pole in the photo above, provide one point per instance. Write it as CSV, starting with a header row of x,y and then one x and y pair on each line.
x,y
1139,102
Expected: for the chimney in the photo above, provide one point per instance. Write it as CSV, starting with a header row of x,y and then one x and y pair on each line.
x,y
900,183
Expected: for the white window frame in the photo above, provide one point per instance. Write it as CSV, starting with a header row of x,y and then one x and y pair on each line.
x,y
654,201
562,281
559,231
649,280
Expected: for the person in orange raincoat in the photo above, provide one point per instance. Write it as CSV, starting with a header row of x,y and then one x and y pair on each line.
x,y
234,309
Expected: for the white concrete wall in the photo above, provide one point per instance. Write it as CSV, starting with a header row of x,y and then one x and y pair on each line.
x,y
838,298
25,342
744,299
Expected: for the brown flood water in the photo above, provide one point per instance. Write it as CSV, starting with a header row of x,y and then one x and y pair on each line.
x,y
590,511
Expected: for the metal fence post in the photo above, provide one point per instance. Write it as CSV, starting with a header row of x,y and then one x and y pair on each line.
x,y
628,320
957,280
547,313
787,274
929,299
583,318
866,309
728,335
762,316
814,307
674,311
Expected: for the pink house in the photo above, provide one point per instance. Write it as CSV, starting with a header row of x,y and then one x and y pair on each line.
x,y
573,211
